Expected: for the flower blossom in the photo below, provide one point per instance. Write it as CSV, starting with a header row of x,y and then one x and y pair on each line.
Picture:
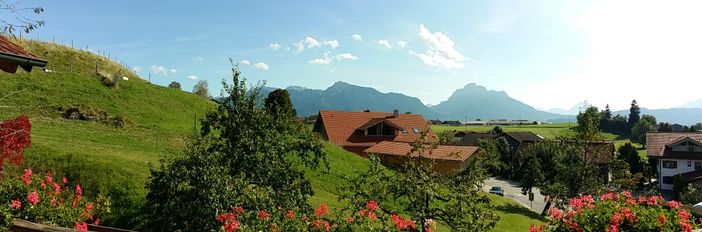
x,y
27,176
262,214
15,204
33,198
81,226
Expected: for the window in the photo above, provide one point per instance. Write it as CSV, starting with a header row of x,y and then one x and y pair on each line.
x,y
698,165
380,130
416,130
402,130
668,180
670,164
689,163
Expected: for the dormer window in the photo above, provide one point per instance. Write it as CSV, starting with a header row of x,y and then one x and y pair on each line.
x,y
687,146
402,130
380,129
416,130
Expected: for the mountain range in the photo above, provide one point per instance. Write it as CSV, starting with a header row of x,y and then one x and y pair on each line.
x,y
685,116
693,104
471,102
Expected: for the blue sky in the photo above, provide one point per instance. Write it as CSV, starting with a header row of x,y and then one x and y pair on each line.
x,y
544,53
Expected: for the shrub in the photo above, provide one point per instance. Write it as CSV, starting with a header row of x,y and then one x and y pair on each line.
x,y
43,199
619,212
174,85
15,136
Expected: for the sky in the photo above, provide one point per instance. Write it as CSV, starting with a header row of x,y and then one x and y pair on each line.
x,y
544,53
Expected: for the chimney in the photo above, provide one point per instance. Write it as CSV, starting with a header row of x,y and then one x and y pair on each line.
x,y
395,113
366,110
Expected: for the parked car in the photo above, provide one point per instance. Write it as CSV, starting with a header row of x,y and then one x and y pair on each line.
x,y
497,190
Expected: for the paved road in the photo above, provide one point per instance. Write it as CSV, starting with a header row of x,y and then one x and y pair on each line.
x,y
513,191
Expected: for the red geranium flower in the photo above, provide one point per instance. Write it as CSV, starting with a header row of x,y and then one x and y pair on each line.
x,y
262,214
16,204
33,198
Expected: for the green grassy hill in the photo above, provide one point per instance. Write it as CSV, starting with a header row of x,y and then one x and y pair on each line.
x,y
115,161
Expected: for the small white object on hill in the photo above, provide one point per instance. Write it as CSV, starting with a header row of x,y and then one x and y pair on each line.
x,y
125,78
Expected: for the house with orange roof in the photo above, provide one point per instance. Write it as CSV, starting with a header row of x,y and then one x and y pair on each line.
x,y
13,56
389,136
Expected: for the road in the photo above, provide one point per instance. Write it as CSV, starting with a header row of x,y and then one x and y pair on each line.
x,y
513,191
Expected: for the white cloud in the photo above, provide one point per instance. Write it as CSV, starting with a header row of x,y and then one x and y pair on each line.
x,y
245,62
384,43
261,66
346,56
324,60
161,70
441,52
274,46
401,44
311,42
333,44
299,46
138,68
192,77
357,37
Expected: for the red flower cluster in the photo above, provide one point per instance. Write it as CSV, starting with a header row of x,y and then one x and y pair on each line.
x,y
79,194
290,215
674,204
229,221
369,211
27,177
322,210
534,228
15,204
33,198
402,223
684,217
263,215
555,213
81,226
14,138
579,203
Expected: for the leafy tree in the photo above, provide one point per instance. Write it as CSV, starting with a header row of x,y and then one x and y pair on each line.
x,y
202,89
664,127
497,130
497,156
174,85
698,126
278,103
607,114
692,194
643,126
242,156
15,17
416,188
630,155
634,113
589,124
679,186
692,129
559,168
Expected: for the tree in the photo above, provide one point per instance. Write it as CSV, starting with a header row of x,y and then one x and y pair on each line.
x,y
607,114
634,113
497,156
643,126
425,194
559,168
278,103
630,155
202,89
174,85
242,156
664,127
497,130
589,124
15,17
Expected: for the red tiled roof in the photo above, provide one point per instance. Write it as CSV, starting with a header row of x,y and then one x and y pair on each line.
x,y
10,48
457,153
13,56
340,127
656,142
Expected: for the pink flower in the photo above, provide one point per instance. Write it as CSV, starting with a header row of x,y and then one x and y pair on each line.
x,y
262,214
402,223
372,205
627,194
533,228
27,176
555,213
64,180
684,215
616,219
81,226
628,215
609,196
686,226
349,219
322,211
229,221
661,220
238,210
79,194
674,204
16,204
612,228
290,215
33,198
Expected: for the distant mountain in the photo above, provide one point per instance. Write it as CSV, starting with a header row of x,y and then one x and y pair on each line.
x,y
476,102
347,97
693,104
572,111
685,116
